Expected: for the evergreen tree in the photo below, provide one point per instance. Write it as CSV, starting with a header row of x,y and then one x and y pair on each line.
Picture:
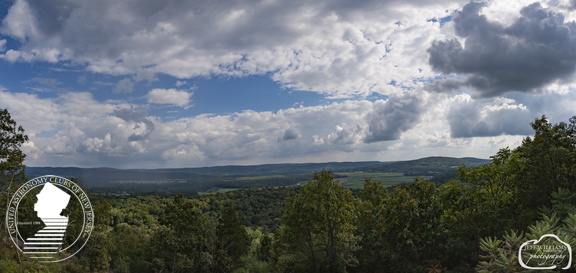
x,y
231,241
12,167
11,156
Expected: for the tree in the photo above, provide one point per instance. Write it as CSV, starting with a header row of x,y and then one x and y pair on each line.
x,y
414,235
231,241
374,200
317,234
487,201
11,169
182,243
11,157
130,250
521,181
504,197
502,255
96,253
548,163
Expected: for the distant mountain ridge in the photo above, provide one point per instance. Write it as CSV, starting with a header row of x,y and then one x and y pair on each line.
x,y
206,178
183,173
428,166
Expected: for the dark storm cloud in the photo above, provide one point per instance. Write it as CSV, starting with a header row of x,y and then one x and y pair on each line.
x,y
138,116
446,85
467,120
389,119
537,49
290,134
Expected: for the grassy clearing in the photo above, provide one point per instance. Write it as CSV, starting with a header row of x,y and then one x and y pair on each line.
x,y
253,178
226,190
353,180
216,190
356,180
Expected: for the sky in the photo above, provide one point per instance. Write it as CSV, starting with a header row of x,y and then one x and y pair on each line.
x,y
179,83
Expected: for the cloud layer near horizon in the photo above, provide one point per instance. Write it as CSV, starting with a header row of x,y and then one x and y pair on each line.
x,y
449,77
76,130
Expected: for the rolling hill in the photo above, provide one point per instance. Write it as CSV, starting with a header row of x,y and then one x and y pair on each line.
x,y
212,179
429,166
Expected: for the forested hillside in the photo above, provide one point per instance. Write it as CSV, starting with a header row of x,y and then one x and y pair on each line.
x,y
429,166
224,178
474,223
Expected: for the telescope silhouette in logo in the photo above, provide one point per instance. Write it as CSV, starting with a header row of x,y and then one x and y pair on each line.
x,y
46,243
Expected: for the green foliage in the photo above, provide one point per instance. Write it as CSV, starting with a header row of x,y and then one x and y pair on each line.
x,y
413,228
356,180
231,241
11,157
12,167
502,255
546,162
96,253
374,200
131,248
182,244
251,264
429,166
317,234
260,207
140,210
537,176
29,266
463,219
481,204
9,266
563,203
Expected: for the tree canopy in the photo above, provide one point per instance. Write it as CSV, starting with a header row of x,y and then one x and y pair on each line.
x,y
11,156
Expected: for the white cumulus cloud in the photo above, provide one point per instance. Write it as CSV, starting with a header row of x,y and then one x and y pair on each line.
x,y
74,129
346,50
338,48
169,96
